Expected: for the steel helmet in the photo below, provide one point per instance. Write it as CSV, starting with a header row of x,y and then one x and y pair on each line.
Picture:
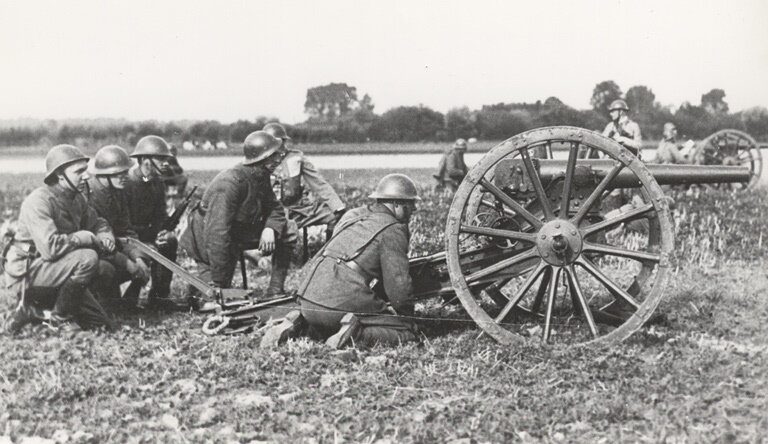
x,y
258,146
59,157
618,104
276,130
396,187
109,160
460,144
152,146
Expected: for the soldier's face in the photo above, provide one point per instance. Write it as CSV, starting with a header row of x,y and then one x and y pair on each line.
x,y
75,174
615,114
272,162
116,180
404,210
154,166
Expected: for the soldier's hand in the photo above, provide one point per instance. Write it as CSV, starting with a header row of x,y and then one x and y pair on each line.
x,y
267,242
107,244
164,237
84,238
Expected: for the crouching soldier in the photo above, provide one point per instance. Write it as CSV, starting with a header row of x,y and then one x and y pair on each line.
x,y
109,170
359,284
54,258
322,207
239,211
147,209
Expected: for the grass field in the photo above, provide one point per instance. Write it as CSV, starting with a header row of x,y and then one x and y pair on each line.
x,y
702,376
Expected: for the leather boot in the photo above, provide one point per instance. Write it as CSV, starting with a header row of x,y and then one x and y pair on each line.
x,y
281,260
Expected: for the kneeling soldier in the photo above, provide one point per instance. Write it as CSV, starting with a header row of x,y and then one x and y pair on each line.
x,y
147,208
239,211
359,284
54,257
109,168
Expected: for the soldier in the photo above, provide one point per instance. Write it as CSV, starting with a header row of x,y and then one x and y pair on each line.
x,y
239,211
668,151
147,209
452,168
622,129
359,282
288,180
54,256
109,169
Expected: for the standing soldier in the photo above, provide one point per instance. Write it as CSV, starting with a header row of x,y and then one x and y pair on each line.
x,y
452,168
54,257
239,211
109,168
360,282
622,129
324,208
147,210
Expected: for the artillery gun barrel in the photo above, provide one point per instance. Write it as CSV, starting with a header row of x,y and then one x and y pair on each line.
x,y
665,174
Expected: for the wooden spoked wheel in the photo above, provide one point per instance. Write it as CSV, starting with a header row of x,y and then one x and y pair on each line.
x,y
731,147
570,274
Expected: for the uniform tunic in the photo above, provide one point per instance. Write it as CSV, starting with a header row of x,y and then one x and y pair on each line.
x,y
668,152
288,181
146,204
333,288
452,168
626,128
235,208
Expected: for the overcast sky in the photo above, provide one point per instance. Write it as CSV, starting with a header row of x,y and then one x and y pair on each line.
x,y
228,60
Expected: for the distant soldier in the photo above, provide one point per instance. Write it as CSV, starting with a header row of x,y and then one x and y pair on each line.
x,y
452,169
668,150
239,211
322,207
109,169
54,257
622,129
359,283
148,211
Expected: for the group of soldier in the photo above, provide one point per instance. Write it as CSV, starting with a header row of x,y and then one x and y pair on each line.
x,y
72,251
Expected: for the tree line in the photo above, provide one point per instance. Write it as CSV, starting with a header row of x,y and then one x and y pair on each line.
x,y
336,114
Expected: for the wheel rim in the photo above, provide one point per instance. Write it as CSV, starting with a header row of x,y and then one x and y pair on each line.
x,y
557,244
732,147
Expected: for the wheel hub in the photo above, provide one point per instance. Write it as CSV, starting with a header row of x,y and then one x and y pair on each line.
x,y
559,242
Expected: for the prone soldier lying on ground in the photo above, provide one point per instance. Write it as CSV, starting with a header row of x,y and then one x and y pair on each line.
x,y
340,299
54,260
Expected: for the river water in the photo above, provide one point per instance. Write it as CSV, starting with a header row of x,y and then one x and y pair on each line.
x,y
26,165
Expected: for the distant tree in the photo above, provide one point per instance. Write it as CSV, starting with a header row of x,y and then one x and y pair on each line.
x,y
459,122
693,121
330,101
640,99
603,94
756,122
713,102
408,124
497,123
239,130
561,115
553,102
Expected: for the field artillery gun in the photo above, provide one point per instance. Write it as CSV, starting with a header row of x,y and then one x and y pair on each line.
x,y
731,147
532,250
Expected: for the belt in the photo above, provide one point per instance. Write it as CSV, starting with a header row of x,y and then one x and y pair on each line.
x,y
354,266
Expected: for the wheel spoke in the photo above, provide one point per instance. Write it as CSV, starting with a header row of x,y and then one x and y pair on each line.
x,y
491,204
612,286
551,303
536,306
521,292
508,201
536,180
573,282
598,191
495,232
568,183
610,250
498,266
635,213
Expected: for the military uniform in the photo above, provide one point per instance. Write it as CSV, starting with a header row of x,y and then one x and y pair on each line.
x,y
288,181
669,152
452,169
112,204
235,208
47,255
147,212
626,128
369,245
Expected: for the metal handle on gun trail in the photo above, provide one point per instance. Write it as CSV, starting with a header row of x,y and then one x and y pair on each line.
x,y
202,286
